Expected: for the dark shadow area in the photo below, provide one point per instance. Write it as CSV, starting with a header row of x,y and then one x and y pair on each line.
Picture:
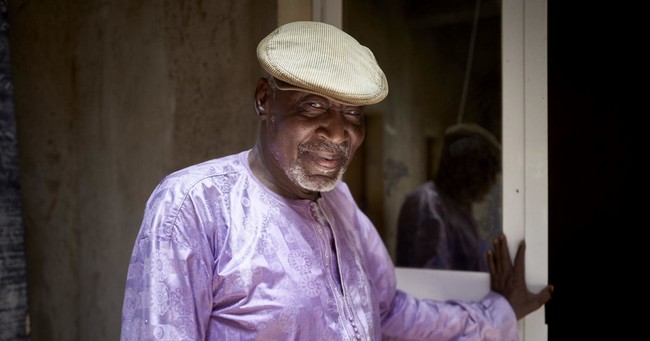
x,y
590,238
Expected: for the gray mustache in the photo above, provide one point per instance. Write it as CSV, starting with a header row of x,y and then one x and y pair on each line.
x,y
327,147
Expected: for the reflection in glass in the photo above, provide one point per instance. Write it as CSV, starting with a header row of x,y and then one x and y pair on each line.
x,y
443,64
436,227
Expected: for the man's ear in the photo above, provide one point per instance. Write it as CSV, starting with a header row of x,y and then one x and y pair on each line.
x,y
263,95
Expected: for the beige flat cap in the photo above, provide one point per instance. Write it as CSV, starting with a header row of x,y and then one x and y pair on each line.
x,y
319,58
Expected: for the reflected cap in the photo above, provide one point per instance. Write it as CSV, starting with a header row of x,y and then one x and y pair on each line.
x,y
470,139
321,59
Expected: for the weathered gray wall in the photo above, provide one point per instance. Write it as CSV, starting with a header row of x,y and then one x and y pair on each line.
x,y
110,97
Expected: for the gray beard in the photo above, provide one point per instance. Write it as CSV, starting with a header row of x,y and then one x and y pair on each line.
x,y
298,175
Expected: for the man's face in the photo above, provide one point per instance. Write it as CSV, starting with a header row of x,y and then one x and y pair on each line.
x,y
311,138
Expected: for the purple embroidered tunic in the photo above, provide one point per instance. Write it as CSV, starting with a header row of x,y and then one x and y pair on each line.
x,y
219,256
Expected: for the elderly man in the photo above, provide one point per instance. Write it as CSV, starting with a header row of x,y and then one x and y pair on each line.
x,y
268,244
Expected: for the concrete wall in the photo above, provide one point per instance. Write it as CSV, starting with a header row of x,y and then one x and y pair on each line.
x,y
110,97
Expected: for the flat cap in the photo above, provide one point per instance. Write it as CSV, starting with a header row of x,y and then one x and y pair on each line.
x,y
319,58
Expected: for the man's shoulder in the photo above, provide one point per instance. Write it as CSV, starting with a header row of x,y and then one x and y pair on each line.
x,y
222,165
210,169
202,182
425,189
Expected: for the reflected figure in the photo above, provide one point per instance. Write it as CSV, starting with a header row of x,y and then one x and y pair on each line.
x,y
436,227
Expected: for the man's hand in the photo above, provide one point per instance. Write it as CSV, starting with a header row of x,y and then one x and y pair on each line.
x,y
508,279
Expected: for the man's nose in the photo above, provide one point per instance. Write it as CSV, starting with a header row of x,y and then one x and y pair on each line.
x,y
333,126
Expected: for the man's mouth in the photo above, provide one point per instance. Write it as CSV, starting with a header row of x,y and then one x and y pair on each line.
x,y
327,158
327,161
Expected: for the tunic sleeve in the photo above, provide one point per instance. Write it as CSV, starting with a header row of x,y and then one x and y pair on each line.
x,y
404,317
168,293
491,319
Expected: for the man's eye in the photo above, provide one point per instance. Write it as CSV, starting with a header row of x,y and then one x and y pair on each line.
x,y
355,117
315,105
